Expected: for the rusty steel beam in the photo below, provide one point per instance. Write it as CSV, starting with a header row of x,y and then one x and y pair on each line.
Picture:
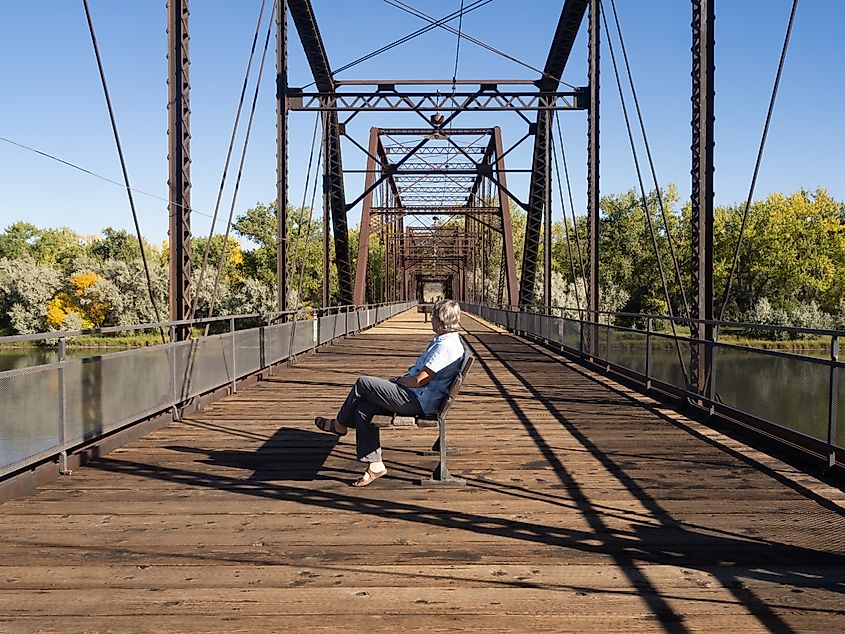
x,y
508,258
701,303
366,208
432,101
593,191
179,160
571,16
281,155
303,17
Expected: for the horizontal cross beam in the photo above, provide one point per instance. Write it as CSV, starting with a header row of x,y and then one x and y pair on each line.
x,y
433,102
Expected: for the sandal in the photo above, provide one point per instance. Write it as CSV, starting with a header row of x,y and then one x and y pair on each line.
x,y
368,478
328,425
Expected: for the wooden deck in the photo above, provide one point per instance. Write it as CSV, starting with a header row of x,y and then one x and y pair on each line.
x,y
588,508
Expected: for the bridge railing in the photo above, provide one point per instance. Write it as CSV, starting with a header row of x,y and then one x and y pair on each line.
x,y
796,397
49,409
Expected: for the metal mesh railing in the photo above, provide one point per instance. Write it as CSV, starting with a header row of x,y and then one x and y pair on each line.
x,y
50,408
800,393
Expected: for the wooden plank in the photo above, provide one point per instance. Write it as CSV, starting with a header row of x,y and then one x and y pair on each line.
x,y
584,511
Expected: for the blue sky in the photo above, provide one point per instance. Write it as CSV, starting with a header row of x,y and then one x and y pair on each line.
x,y
53,101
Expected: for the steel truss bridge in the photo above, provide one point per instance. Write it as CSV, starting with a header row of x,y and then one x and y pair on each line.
x,y
581,457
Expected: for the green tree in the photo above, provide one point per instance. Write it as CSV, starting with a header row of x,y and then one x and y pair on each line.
x,y
16,241
115,244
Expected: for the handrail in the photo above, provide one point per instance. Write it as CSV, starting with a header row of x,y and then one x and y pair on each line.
x,y
103,330
52,408
541,310
816,428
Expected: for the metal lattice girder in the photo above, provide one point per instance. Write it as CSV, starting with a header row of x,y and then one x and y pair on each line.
x,y
435,151
568,25
315,52
364,232
433,102
508,257
281,155
703,70
179,159
593,196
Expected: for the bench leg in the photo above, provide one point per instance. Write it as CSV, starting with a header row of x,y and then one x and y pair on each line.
x,y
441,476
435,450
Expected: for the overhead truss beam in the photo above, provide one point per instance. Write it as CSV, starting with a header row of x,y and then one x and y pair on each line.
x,y
571,17
303,17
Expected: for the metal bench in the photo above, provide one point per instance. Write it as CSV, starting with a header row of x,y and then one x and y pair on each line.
x,y
441,474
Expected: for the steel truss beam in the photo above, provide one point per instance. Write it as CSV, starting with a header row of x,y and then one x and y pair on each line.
x,y
433,102
701,302
179,160
593,190
568,25
306,25
281,155
451,245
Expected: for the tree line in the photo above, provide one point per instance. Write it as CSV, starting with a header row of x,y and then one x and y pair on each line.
x,y
791,266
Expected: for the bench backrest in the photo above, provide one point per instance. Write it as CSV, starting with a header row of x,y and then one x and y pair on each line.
x,y
466,364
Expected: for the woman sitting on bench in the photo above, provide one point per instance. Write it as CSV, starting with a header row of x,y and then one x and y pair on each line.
x,y
420,392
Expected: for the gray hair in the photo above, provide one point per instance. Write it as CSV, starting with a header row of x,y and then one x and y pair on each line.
x,y
448,313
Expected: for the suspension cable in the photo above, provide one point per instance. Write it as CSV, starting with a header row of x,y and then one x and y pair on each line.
x,y
226,163
458,46
781,63
477,4
571,203
303,258
100,176
644,200
660,204
416,12
304,193
566,226
241,164
122,165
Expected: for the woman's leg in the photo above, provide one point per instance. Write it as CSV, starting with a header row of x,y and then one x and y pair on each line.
x,y
368,397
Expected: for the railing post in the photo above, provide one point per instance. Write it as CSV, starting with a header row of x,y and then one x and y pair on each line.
x,y
581,332
262,362
648,329
833,401
63,470
172,356
711,364
234,359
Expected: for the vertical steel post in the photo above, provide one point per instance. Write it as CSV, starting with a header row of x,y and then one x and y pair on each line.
x,y
649,328
833,401
282,154
360,288
62,408
507,230
711,384
172,355
326,206
234,360
593,221
179,160
547,225
703,92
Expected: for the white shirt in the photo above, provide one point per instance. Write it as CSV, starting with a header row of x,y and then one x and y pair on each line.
x,y
443,357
